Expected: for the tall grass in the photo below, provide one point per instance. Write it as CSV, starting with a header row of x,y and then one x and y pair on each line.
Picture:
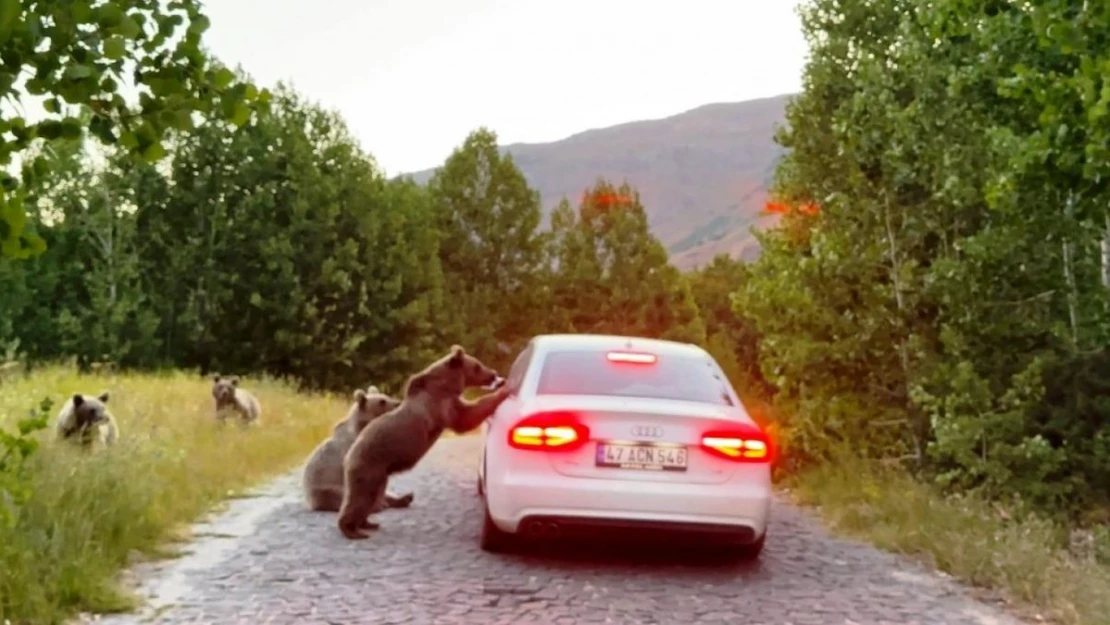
x,y
89,512
976,542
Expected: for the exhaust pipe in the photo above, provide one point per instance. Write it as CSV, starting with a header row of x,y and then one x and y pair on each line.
x,y
534,528
552,530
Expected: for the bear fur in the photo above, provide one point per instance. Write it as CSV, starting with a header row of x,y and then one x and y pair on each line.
x,y
323,473
229,396
396,441
85,419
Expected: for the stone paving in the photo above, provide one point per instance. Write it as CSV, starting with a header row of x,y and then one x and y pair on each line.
x,y
269,560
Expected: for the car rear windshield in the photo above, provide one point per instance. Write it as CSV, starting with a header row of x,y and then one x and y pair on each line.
x,y
680,377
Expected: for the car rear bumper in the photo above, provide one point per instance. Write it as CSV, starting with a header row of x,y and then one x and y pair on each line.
x,y
679,533
730,512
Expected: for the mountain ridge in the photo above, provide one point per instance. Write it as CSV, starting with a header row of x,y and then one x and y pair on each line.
x,y
702,174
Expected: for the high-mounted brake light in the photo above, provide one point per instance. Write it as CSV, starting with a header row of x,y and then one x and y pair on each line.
x,y
636,357
550,431
743,445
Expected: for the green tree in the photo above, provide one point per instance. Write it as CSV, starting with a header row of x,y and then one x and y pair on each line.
x,y
610,275
1023,305
77,56
84,297
280,247
942,292
492,249
731,339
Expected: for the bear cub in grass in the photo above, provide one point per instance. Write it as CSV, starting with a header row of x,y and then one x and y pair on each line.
x,y
323,474
85,419
229,397
397,440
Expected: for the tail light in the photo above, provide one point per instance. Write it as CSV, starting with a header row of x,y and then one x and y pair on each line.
x,y
550,431
740,445
632,357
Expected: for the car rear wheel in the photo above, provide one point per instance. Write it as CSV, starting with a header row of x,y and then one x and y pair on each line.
x,y
493,539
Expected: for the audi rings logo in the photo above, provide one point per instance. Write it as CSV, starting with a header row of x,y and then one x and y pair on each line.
x,y
647,431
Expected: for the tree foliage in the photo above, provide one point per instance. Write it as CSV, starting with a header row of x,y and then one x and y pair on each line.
x,y
730,338
492,249
610,275
279,247
953,279
285,250
79,57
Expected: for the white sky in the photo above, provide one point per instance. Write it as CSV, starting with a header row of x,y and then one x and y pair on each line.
x,y
413,77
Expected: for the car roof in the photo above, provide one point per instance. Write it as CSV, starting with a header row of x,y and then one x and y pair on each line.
x,y
549,342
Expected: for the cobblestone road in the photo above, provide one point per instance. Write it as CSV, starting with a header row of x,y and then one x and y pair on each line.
x,y
269,560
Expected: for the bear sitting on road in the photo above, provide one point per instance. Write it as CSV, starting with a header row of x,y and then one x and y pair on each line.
x,y
85,419
230,397
397,440
323,473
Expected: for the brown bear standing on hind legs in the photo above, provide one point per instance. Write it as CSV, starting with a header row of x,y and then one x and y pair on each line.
x,y
323,473
397,440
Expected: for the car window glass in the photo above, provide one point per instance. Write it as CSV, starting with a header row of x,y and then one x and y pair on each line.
x,y
673,376
516,372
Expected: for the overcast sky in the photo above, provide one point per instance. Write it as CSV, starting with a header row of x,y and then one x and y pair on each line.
x,y
413,77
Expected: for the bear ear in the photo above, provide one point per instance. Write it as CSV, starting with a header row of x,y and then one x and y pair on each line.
x,y
216,377
373,390
234,380
457,354
103,397
360,398
78,400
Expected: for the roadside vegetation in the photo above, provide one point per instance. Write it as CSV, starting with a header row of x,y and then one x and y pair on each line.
x,y
936,299
87,515
1021,553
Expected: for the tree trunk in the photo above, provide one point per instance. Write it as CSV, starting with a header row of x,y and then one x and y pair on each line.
x,y
918,426
1106,253
1069,274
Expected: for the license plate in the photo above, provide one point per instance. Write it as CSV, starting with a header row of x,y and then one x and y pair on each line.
x,y
647,456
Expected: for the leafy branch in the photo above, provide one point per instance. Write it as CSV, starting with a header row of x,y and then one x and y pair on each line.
x,y
82,53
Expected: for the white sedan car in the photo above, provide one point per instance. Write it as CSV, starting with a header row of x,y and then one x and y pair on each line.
x,y
623,433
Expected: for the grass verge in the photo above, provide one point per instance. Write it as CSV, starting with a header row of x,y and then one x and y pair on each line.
x,y
1022,556
89,513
